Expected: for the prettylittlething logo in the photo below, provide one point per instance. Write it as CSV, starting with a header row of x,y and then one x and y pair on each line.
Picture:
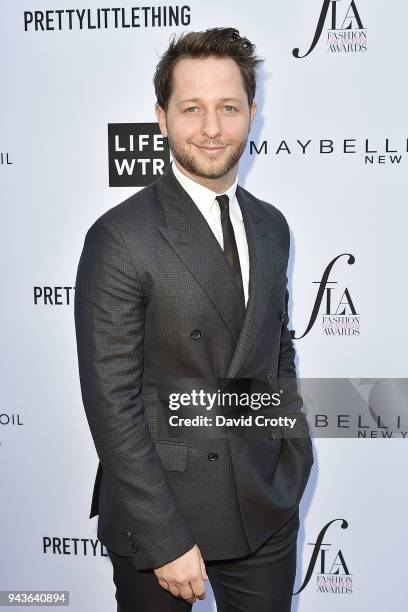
x,y
349,36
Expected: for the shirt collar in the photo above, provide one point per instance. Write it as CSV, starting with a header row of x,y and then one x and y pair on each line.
x,y
203,197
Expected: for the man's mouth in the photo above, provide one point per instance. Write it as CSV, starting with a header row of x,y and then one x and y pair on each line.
x,y
210,149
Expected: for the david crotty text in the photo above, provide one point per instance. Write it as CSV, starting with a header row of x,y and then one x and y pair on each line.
x,y
242,421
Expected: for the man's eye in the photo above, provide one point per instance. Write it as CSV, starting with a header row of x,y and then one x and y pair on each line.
x,y
230,108
190,109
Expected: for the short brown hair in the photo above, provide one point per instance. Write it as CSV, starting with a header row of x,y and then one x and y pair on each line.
x,y
218,42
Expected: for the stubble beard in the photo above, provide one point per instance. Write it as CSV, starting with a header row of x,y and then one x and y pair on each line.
x,y
190,163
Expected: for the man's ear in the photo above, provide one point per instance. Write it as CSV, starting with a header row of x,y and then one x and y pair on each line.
x,y
161,118
252,112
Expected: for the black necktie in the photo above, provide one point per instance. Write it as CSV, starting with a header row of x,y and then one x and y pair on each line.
x,y
230,246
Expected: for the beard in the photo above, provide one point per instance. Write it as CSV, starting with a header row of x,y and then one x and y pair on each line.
x,y
210,168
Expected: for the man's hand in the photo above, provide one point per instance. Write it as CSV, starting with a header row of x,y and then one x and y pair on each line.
x,y
184,577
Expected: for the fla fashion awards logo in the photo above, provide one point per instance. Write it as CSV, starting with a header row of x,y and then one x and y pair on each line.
x,y
328,565
345,32
339,316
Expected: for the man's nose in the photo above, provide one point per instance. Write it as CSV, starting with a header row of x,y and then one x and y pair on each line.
x,y
211,124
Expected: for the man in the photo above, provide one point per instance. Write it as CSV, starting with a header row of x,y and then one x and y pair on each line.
x,y
185,281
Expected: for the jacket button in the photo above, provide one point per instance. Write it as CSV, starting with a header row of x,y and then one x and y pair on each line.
x,y
195,334
213,456
282,315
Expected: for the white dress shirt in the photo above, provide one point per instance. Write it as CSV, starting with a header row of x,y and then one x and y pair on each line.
x,y
205,200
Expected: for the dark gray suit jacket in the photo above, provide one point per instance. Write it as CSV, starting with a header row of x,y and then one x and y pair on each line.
x,y
155,301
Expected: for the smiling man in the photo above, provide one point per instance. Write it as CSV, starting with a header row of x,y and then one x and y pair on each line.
x,y
207,134
186,280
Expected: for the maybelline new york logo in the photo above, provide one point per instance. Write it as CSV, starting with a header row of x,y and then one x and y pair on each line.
x,y
339,316
379,152
328,563
346,32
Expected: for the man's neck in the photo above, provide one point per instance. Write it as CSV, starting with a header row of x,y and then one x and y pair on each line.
x,y
218,185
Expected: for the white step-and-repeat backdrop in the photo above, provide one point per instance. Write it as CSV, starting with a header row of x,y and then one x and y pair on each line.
x,y
328,147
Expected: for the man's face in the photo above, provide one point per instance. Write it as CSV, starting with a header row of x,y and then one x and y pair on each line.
x,y
208,117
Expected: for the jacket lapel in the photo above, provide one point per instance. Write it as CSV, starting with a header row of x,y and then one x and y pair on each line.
x,y
189,234
260,259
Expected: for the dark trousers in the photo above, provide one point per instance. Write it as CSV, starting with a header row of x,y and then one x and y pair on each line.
x,y
260,582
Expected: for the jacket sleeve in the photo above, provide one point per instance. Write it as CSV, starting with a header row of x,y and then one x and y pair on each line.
x,y
287,376
109,320
296,454
286,365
